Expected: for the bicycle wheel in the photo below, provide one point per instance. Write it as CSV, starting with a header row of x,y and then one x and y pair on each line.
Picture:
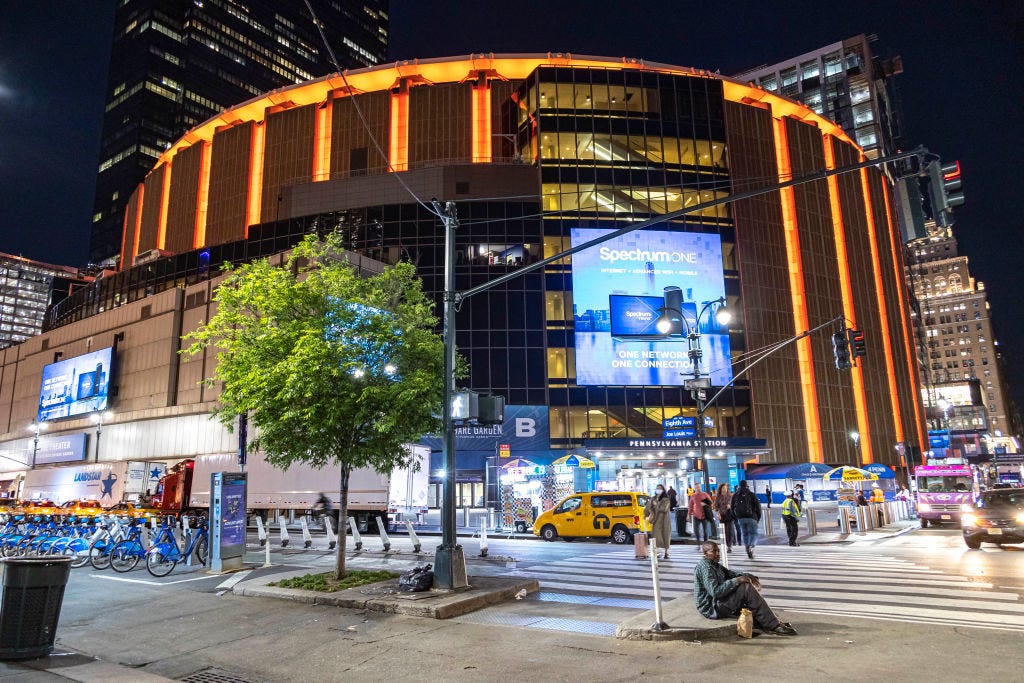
x,y
125,556
203,549
78,552
159,564
99,552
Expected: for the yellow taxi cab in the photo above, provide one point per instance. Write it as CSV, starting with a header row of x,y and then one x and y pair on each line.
x,y
132,510
606,514
40,507
80,508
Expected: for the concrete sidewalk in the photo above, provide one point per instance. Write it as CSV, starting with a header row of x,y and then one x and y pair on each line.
x,y
64,665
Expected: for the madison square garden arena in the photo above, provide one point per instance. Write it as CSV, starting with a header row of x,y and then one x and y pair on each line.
x,y
540,153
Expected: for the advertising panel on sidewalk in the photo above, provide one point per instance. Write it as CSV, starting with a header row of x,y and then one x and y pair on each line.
x,y
619,294
227,519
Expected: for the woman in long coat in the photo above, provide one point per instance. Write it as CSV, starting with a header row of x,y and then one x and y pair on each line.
x,y
658,516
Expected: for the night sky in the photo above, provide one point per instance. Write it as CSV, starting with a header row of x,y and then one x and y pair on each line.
x,y
961,96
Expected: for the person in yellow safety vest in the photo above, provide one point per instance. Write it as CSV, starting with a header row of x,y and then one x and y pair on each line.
x,y
877,495
790,515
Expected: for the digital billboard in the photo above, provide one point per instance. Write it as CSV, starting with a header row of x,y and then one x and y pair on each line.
x,y
75,386
618,292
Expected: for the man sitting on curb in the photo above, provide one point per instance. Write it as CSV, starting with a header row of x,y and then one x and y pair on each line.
x,y
720,593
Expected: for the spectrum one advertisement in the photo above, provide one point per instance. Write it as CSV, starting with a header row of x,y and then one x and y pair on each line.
x,y
618,289
75,386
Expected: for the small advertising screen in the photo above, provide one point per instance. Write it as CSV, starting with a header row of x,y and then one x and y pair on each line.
x,y
619,290
75,386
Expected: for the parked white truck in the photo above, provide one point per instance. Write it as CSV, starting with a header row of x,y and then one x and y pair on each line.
x,y
108,482
297,489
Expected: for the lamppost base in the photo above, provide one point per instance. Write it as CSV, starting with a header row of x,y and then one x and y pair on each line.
x,y
450,568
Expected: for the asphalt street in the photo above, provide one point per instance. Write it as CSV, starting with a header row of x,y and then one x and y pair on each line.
x,y
919,604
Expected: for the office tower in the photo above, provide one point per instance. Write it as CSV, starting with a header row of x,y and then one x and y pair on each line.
x,y
26,289
176,63
846,82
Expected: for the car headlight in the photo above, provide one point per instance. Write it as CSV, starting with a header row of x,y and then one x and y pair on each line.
x,y
1020,518
969,520
924,507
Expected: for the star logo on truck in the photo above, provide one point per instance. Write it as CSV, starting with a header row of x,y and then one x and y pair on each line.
x,y
108,485
154,473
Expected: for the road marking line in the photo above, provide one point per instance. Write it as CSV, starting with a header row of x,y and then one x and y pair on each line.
x,y
149,583
234,579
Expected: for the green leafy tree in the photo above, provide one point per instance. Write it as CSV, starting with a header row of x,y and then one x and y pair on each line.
x,y
333,369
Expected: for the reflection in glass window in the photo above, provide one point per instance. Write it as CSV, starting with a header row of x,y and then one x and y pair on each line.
x,y
605,198
789,76
859,93
769,83
633,149
598,97
561,363
867,138
559,305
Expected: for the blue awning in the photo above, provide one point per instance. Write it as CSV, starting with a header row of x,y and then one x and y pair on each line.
x,y
881,470
803,470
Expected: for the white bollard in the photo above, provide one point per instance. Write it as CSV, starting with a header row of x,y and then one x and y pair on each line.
x,y
659,622
355,533
261,532
307,538
413,537
284,532
724,556
332,540
483,538
383,534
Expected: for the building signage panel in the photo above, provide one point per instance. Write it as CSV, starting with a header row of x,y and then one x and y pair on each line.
x,y
63,448
731,442
75,386
525,429
677,433
618,287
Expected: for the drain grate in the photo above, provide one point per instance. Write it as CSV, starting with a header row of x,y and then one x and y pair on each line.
x,y
214,675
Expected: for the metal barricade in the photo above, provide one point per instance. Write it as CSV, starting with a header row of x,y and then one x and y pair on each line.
x,y
768,528
812,521
844,520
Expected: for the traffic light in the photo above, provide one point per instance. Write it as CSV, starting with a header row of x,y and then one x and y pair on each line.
x,y
944,183
858,347
841,349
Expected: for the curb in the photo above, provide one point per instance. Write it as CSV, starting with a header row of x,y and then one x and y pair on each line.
x,y
484,591
725,630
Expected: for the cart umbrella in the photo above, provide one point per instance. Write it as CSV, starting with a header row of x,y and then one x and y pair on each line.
x,y
575,461
846,473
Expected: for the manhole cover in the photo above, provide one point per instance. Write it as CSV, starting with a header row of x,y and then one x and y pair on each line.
x,y
217,676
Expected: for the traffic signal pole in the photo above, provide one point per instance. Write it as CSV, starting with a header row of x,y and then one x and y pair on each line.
x,y
449,559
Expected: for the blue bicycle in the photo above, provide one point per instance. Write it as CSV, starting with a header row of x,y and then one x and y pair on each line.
x,y
163,557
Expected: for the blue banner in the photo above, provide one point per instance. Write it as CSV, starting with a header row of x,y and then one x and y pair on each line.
x,y
619,290
525,429
677,433
63,448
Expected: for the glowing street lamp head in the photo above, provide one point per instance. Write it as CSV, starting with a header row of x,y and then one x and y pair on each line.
x,y
723,315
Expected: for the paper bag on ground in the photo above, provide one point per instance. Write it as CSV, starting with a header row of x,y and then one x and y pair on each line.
x,y
745,624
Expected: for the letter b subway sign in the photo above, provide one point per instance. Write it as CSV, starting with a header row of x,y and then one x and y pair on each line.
x,y
525,429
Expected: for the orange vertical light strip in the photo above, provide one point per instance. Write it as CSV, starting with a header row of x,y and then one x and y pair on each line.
x,y
322,143
398,153
482,122
798,294
202,197
883,310
138,221
124,240
912,370
161,230
846,287
252,215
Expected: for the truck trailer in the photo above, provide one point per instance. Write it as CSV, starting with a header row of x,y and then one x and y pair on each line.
x,y
108,482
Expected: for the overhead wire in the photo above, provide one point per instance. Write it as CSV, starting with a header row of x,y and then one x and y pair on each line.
x,y
362,117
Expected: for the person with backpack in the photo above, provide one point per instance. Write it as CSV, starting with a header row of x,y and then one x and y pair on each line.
x,y
723,506
790,515
746,508
701,509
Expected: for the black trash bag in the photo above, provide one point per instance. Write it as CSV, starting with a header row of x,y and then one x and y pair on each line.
x,y
418,580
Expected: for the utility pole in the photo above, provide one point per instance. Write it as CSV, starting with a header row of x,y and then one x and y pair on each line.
x,y
449,558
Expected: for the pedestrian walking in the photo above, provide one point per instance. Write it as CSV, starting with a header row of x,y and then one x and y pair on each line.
x,y
673,498
658,516
701,509
768,496
723,506
791,515
798,493
746,508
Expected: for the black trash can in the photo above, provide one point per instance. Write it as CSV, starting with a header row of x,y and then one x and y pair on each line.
x,y
33,591
681,514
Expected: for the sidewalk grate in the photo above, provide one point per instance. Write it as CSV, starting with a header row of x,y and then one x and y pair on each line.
x,y
214,675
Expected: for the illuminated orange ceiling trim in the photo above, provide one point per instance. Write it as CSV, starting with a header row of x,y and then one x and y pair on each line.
x,y
124,237
161,229
883,311
798,294
252,215
398,154
846,287
202,197
455,70
482,151
912,369
138,222
322,142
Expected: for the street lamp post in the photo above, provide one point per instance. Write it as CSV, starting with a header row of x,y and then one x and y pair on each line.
x,y
35,428
98,419
671,321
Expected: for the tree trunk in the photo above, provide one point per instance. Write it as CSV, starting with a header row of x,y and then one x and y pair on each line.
x,y
339,567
